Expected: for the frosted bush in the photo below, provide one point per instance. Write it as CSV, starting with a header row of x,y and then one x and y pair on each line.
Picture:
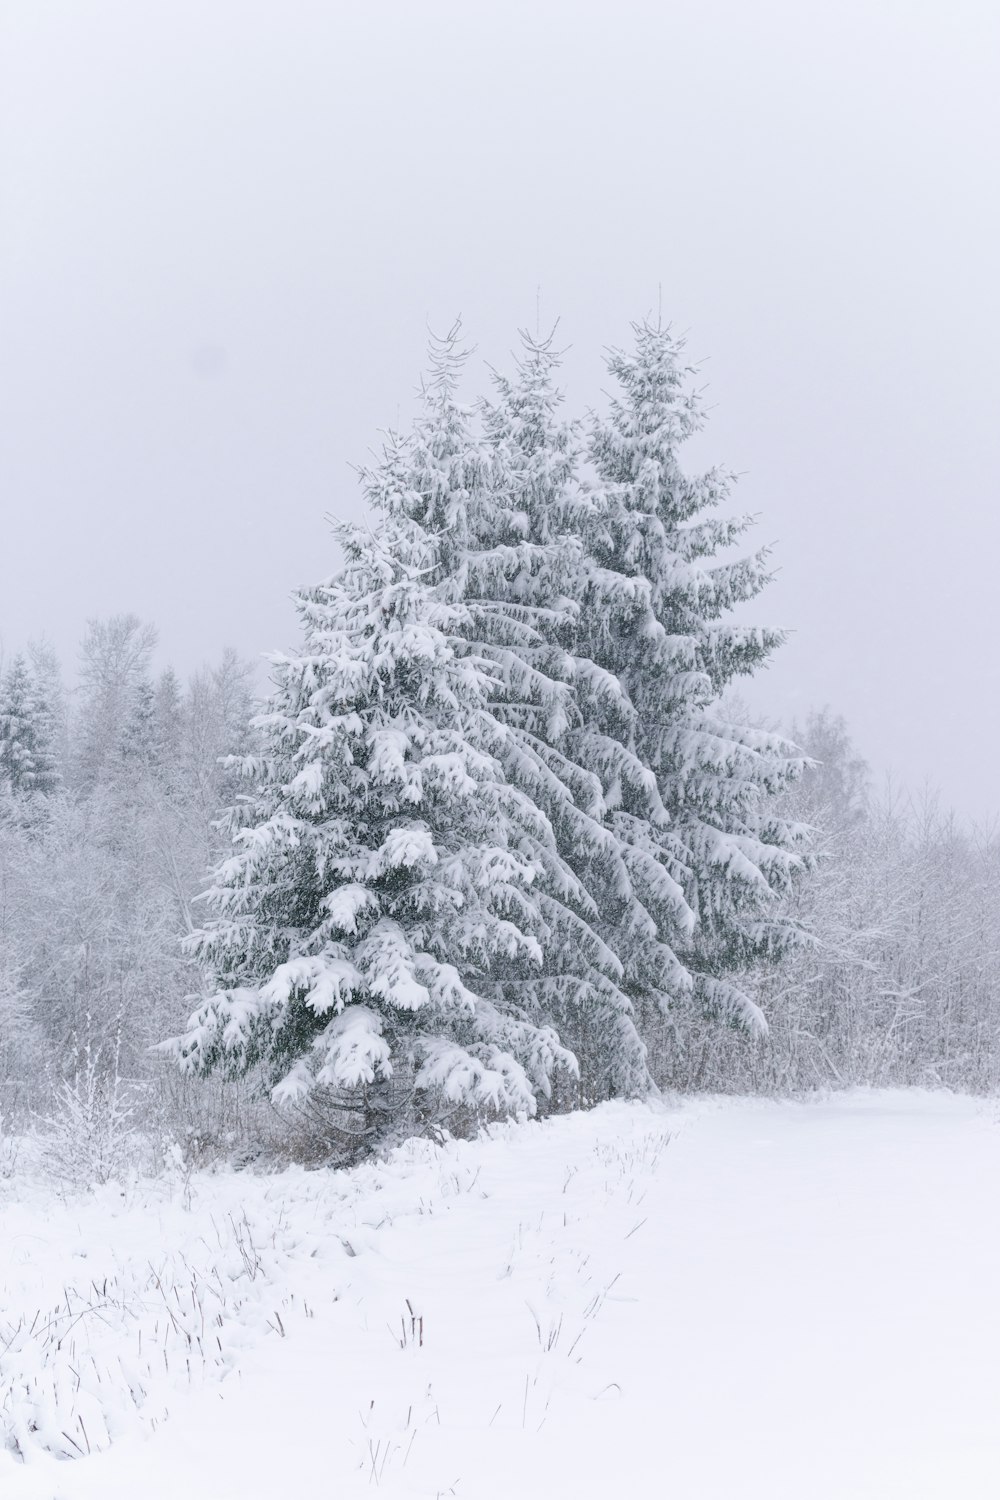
x,y
90,1138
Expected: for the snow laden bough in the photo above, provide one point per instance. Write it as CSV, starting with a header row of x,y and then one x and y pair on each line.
x,y
389,888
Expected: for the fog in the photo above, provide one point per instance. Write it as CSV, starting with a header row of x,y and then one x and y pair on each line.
x,y
226,228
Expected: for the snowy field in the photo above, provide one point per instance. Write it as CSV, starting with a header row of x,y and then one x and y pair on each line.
x,y
731,1299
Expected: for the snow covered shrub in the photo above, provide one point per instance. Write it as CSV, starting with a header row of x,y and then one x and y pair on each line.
x,y
90,1138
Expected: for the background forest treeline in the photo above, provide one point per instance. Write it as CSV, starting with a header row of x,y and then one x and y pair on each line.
x,y
105,840
106,843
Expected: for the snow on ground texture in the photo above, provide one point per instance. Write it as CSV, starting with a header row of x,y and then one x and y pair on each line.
x,y
785,1300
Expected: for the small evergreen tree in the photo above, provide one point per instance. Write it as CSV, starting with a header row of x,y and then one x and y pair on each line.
x,y
168,714
137,744
114,665
46,673
27,762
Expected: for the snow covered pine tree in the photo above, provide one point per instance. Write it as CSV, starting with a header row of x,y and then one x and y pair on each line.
x,y
669,644
27,760
543,569
506,506
381,901
497,804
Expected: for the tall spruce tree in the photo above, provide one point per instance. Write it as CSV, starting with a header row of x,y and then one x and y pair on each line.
x,y
565,645
674,646
388,905
640,904
504,505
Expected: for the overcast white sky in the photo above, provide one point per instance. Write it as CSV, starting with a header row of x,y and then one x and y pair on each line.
x,y
224,228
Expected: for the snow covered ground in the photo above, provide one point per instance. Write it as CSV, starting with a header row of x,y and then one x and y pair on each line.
x,y
781,1300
